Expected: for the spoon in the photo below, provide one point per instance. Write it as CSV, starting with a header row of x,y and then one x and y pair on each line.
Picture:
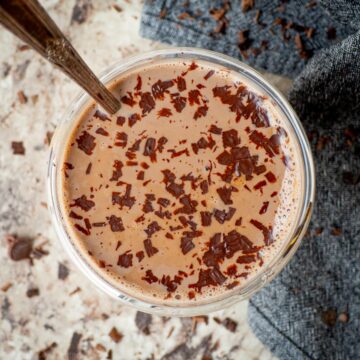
x,y
28,20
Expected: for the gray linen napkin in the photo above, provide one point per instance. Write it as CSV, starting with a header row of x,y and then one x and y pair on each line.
x,y
312,309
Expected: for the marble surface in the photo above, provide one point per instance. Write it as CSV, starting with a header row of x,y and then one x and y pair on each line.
x,y
67,317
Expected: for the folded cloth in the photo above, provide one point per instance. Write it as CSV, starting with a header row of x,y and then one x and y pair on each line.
x,y
311,310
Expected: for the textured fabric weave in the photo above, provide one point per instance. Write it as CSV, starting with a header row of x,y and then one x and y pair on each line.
x,y
312,309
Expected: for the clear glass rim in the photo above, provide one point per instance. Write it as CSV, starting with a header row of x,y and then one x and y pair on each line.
x,y
269,271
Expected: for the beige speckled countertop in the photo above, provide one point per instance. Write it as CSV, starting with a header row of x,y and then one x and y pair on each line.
x,y
68,317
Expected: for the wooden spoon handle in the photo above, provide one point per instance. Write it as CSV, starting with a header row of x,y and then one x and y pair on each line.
x,y
28,20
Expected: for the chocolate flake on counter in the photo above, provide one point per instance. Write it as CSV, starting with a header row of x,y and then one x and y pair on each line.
x,y
209,75
267,233
178,101
121,139
125,200
329,317
230,324
133,119
102,131
160,87
63,271
181,83
331,33
128,99
18,148
143,322
120,120
32,292
150,277
22,97
83,203
18,248
244,42
247,5
125,259
215,130
73,215
147,103
101,116
74,346
164,112
149,248
117,172
162,13
140,255
205,218
221,215
88,169
86,143
115,335
234,242
336,231
149,149
116,224
152,228
201,112
43,354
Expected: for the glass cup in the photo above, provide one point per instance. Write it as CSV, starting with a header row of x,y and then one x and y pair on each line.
x,y
265,275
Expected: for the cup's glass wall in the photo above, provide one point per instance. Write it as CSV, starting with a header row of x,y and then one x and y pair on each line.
x,y
268,272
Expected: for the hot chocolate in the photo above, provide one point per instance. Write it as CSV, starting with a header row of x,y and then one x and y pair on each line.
x,y
189,190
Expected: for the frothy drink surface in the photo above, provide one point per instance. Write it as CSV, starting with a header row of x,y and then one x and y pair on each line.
x,y
188,191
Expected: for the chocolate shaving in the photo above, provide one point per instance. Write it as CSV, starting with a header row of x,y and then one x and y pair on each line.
x,y
178,101
268,238
140,255
187,240
149,248
120,120
86,143
181,83
160,87
125,260
164,112
201,112
215,130
102,131
149,149
234,242
116,224
205,218
19,248
125,200
150,277
147,103
133,119
83,203
128,99
117,172
152,228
